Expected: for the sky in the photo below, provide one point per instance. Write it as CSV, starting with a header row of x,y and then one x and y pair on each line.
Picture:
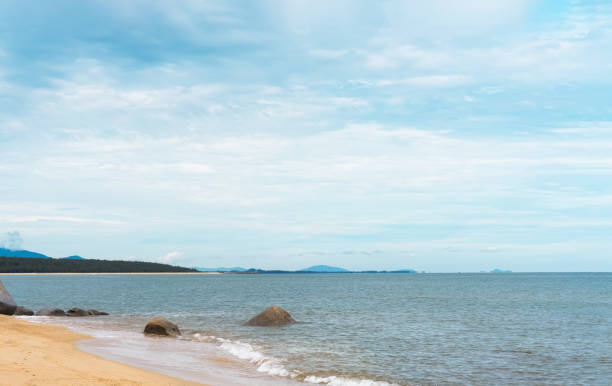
x,y
447,136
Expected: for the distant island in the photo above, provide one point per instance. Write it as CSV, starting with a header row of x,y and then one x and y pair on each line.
x,y
324,269
21,253
220,269
30,255
75,257
309,270
23,261
72,265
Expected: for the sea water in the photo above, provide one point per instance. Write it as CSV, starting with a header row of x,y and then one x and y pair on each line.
x,y
356,329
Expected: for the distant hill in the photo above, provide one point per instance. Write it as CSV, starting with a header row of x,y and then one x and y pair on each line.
x,y
319,269
46,265
29,254
220,269
397,271
323,269
21,253
75,257
497,270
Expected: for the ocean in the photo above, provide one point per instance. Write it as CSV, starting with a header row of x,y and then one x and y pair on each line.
x,y
356,329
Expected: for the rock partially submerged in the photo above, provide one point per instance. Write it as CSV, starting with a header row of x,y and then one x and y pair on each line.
x,y
96,312
21,310
271,316
161,326
7,303
51,312
76,312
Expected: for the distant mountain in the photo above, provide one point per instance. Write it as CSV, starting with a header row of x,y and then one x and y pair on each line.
x,y
75,257
497,270
306,271
220,269
397,271
21,253
323,269
29,254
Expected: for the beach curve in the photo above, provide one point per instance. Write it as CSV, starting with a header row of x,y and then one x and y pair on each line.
x,y
38,354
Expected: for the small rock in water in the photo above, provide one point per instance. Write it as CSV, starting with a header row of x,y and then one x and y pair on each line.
x,y
76,312
161,326
51,312
21,310
7,303
96,312
271,316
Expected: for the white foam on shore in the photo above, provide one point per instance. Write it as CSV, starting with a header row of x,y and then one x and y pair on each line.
x,y
126,346
182,358
341,381
246,351
273,366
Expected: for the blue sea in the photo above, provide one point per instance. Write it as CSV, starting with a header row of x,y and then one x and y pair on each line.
x,y
356,329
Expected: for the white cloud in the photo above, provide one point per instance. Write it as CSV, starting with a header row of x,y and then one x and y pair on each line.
x,y
427,81
396,56
585,131
35,218
289,151
11,240
171,257
328,54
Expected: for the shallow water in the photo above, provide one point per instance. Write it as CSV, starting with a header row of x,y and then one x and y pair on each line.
x,y
553,328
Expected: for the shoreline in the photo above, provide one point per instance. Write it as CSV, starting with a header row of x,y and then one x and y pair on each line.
x,y
107,273
36,353
184,362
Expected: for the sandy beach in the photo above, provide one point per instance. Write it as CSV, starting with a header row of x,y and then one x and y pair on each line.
x,y
38,354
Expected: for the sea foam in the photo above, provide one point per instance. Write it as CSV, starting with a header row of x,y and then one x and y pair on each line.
x,y
246,351
341,381
273,366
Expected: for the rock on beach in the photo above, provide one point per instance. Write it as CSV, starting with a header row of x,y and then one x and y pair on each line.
x,y
96,312
21,310
161,326
76,312
51,312
7,303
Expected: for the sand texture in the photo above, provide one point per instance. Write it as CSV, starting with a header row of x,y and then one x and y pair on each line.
x,y
38,354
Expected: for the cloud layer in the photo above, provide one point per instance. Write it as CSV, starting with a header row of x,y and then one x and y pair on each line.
x,y
284,134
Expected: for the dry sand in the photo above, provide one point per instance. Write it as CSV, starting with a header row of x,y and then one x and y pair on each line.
x,y
38,354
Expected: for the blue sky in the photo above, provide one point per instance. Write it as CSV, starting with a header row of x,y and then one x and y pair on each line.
x,y
451,136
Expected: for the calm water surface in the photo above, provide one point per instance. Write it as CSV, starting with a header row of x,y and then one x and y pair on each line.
x,y
361,328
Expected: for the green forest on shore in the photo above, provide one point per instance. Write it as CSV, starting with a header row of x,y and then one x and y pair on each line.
x,y
35,265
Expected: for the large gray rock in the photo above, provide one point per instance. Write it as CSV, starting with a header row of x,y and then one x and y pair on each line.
x,y
7,303
21,310
271,316
161,326
96,312
76,312
51,312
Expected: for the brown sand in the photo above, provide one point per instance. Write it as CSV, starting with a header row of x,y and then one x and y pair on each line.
x,y
38,354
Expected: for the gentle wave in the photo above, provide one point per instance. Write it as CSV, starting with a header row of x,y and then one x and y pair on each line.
x,y
273,366
241,350
245,351
341,381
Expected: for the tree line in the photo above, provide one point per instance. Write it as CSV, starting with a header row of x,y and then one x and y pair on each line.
x,y
35,265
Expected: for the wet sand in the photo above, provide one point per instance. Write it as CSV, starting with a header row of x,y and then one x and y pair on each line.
x,y
38,354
